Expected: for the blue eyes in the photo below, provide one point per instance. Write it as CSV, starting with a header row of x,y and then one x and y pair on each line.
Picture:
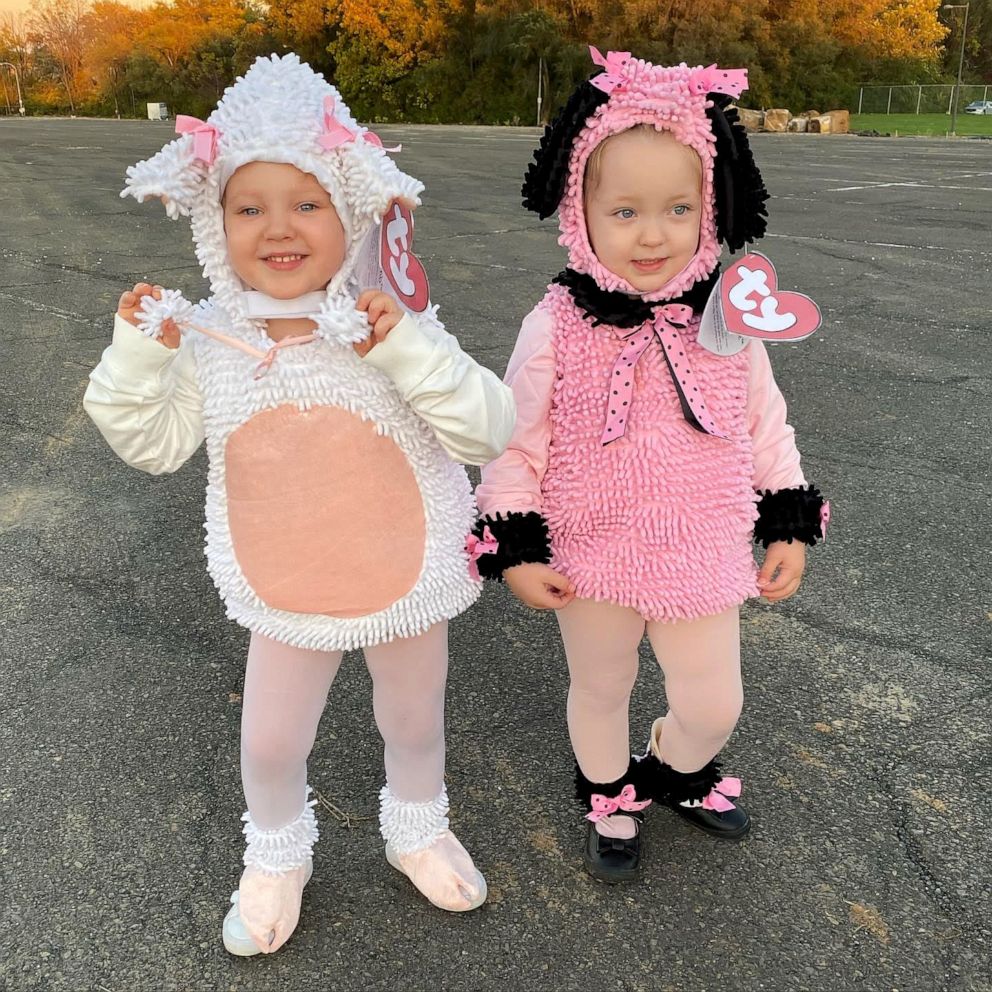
x,y
305,208
627,213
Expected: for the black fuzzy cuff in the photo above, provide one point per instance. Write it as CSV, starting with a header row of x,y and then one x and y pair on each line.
x,y
522,538
585,788
656,780
789,515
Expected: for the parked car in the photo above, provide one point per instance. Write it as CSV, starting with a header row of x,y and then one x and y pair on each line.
x,y
979,107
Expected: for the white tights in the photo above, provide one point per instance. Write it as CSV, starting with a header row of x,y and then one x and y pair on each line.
x,y
701,663
285,692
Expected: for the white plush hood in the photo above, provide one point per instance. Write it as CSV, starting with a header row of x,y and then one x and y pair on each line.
x,y
276,112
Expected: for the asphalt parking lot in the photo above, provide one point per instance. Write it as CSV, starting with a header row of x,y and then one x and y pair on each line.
x,y
865,742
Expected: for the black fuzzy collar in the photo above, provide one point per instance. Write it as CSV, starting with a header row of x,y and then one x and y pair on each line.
x,y
620,310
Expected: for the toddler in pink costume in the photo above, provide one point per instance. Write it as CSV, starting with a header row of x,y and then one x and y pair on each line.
x,y
643,466
337,512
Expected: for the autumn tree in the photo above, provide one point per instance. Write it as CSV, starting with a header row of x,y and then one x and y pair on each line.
x,y
307,27
58,29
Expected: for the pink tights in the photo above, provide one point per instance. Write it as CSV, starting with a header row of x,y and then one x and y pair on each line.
x,y
701,663
284,695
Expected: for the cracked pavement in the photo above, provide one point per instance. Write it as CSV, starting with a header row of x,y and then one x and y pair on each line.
x,y
865,741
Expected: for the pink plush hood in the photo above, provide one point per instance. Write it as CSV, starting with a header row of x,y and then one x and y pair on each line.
x,y
671,99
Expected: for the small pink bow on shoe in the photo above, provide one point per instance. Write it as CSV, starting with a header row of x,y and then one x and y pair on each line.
x,y
625,802
476,548
718,800
204,137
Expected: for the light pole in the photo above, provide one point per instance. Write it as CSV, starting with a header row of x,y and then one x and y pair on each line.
x,y
540,93
964,34
17,79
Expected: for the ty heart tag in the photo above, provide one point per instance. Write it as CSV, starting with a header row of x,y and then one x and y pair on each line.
x,y
712,334
753,306
386,260
402,269
745,303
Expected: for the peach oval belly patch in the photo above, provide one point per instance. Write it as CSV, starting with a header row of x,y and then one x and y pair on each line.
x,y
325,515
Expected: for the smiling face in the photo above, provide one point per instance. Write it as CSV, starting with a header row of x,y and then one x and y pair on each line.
x,y
284,237
642,206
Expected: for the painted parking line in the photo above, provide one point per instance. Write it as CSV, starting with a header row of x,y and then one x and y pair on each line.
x,y
916,185
880,244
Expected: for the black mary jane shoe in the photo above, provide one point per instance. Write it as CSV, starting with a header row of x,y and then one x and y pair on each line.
x,y
612,859
731,825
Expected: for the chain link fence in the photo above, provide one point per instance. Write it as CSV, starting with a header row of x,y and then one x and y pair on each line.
x,y
928,99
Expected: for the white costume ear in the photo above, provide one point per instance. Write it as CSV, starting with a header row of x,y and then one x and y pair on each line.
x,y
373,181
172,173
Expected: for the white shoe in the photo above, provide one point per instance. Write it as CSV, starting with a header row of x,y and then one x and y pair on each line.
x,y
237,940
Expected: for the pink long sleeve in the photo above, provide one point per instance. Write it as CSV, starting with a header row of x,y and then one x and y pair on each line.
x,y
776,458
513,481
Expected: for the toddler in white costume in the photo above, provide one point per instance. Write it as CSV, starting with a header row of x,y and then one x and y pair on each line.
x,y
336,514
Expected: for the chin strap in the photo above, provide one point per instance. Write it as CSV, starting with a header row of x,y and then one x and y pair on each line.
x,y
261,306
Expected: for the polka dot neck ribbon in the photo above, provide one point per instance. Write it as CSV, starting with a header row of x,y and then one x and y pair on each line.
x,y
667,322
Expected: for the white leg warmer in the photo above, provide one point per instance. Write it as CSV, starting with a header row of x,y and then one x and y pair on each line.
x,y
276,851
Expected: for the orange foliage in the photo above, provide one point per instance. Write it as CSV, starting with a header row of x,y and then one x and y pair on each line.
x,y
172,29
402,28
894,29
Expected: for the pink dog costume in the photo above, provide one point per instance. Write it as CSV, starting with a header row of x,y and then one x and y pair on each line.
x,y
643,465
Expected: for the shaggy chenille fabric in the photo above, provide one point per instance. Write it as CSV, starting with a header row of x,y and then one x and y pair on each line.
x,y
300,458
661,519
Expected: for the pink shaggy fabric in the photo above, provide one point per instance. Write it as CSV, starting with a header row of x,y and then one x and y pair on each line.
x,y
661,519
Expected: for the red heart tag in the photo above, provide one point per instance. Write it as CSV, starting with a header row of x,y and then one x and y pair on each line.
x,y
754,306
401,267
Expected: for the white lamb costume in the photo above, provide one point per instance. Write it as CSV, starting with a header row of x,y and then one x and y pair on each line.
x,y
336,512
336,517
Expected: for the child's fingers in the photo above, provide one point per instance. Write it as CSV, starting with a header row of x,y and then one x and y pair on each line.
x,y
384,325
780,593
365,299
778,582
171,335
767,573
377,307
784,584
362,348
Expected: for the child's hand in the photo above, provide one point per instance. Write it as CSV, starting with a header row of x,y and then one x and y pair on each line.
x,y
789,561
383,313
130,304
539,586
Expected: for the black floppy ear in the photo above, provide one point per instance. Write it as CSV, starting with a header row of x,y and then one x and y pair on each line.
x,y
738,189
544,181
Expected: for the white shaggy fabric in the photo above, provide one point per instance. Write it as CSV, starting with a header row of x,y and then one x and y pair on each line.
x,y
172,306
326,374
410,827
288,847
274,113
